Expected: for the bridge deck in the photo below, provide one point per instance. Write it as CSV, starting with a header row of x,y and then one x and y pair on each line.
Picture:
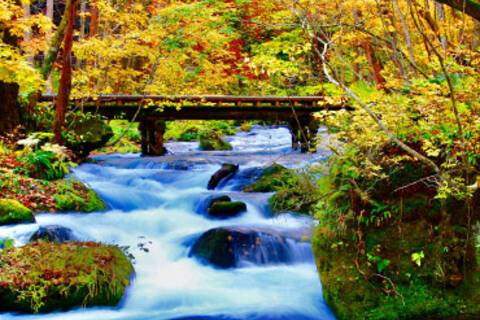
x,y
205,107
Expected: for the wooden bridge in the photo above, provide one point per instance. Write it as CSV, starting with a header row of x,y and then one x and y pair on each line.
x,y
152,112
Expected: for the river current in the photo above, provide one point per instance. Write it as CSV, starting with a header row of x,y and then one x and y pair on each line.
x,y
154,208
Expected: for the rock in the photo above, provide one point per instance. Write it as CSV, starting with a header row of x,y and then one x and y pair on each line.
x,y
87,134
226,172
213,142
226,209
204,204
229,247
47,277
244,178
13,212
271,178
53,233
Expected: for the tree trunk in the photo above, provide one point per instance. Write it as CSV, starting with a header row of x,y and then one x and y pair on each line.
x,y
9,111
61,102
93,19
375,64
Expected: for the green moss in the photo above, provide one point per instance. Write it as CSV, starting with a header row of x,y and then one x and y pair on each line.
x,y
213,142
12,212
226,209
272,178
44,277
356,291
74,196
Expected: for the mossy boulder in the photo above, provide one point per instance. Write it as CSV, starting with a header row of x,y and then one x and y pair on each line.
x,y
223,174
231,247
86,134
271,179
226,209
75,196
295,191
53,233
46,277
13,212
212,141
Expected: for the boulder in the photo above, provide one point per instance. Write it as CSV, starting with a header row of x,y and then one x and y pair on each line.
x,y
53,233
13,212
213,142
46,277
86,134
230,247
226,172
271,178
226,209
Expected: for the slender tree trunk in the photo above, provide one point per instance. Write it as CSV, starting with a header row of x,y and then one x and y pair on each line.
x,y
61,102
440,15
94,15
375,65
476,36
49,14
406,31
83,10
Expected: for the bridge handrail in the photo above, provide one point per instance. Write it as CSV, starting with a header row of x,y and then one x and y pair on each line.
x,y
194,98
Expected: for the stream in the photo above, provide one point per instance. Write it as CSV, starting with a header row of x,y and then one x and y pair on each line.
x,y
155,208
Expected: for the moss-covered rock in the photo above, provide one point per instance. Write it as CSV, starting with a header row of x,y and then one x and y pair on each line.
x,y
231,247
13,212
45,277
295,191
226,209
212,141
74,196
86,134
271,179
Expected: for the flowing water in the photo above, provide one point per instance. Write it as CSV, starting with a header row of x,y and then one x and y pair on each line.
x,y
155,207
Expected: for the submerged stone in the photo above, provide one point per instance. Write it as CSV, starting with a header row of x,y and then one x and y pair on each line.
x,y
53,233
226,172
230,247
226,209
13,212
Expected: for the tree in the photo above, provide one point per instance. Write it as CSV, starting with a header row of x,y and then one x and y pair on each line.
x,y
63,96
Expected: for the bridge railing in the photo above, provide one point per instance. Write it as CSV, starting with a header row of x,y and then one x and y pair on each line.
x,y
216,100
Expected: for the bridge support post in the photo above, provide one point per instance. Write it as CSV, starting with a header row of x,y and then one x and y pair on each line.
x,y
152,137
304,131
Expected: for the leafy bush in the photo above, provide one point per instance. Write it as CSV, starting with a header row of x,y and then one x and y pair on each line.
x,y
43,164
